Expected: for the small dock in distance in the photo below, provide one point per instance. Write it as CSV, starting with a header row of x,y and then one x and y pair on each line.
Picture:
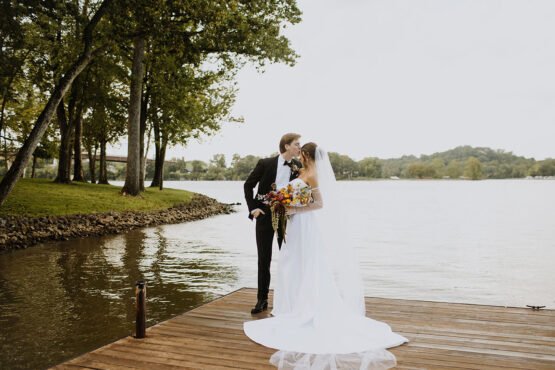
x,y
442,336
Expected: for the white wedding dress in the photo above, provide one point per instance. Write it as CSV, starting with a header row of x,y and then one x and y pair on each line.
x,y
316,325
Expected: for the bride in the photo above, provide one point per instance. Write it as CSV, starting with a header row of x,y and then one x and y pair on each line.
x,y
319,312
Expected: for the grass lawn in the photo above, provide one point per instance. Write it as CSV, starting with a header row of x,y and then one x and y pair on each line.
x,y
37,197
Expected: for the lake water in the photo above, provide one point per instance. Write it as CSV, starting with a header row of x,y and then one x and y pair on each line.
x,y
484,242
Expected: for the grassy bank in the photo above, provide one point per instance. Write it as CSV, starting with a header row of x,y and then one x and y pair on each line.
x,y
38,197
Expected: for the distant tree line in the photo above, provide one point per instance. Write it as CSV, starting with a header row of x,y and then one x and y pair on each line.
x,y
468,162
462,162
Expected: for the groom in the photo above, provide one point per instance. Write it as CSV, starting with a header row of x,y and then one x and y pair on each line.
x,y
279,170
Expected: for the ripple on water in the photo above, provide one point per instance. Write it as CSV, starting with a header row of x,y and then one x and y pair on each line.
x,y
488,242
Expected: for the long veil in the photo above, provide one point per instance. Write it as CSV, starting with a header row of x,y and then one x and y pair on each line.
x,y
367,338
339,249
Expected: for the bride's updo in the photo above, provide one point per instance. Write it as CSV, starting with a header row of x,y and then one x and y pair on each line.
x,y
309,150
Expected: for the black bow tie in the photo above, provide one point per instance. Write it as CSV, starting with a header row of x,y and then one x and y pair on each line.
x,y
287,163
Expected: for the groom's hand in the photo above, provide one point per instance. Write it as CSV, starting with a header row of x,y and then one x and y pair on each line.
x,y
257,212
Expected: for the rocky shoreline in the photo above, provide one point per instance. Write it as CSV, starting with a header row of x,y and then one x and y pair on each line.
x,y
19,232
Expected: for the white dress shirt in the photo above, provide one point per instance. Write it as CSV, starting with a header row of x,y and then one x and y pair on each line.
x,y
283,173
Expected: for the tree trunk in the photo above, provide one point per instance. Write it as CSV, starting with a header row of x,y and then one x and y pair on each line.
x,y
5,97
142,142
162,160
24,154
70,153
157,171
92,163
132,177
6,149
144,106
157,168
156,177
64,154
145,157
103,173
34,165
78,174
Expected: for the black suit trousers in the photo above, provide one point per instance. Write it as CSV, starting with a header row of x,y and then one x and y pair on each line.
x,y
264,240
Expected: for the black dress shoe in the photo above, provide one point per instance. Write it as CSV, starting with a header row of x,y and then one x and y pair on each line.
x,y
261,305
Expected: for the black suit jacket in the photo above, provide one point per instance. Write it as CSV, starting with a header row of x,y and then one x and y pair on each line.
x,y
264,174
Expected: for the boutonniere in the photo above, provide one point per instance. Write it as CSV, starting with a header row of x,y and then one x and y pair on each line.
x,y
294,168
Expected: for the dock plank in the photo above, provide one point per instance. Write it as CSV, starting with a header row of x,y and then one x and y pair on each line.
x,y
442,336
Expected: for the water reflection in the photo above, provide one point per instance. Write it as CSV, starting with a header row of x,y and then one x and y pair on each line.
x,y
61,299
487,242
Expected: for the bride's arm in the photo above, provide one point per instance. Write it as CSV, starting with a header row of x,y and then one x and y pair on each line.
x,y
317,204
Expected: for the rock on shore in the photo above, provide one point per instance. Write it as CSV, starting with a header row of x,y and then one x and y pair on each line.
x,y
18,232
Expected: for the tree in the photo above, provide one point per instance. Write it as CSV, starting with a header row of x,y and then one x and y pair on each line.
x,y
106,105
419,170
473,169
217,168
45,150
416,170
223,36
62,85
543,168
21,112
547,167
70,120
51,34
15,49
197,169
132,177
370,167
343,165
454,169
186,103
218,161
437,166
241,167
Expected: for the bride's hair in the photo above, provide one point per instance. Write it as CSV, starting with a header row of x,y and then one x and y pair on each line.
x,y
309,150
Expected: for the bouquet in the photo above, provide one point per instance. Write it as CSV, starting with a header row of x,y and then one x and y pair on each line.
x,y
281,200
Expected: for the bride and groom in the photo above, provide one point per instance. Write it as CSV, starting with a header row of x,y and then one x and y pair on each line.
x,y
319,319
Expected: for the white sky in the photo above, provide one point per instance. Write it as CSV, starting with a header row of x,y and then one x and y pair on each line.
x,y
391,77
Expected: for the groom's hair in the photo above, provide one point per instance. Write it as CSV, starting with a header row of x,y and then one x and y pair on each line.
x,y
287,139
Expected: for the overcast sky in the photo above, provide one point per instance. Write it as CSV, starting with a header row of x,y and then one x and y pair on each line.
x,y
391,77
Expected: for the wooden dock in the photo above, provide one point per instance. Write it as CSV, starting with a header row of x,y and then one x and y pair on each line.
x,y
442,336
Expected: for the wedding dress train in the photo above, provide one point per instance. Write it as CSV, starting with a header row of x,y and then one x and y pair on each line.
x,y
315,326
